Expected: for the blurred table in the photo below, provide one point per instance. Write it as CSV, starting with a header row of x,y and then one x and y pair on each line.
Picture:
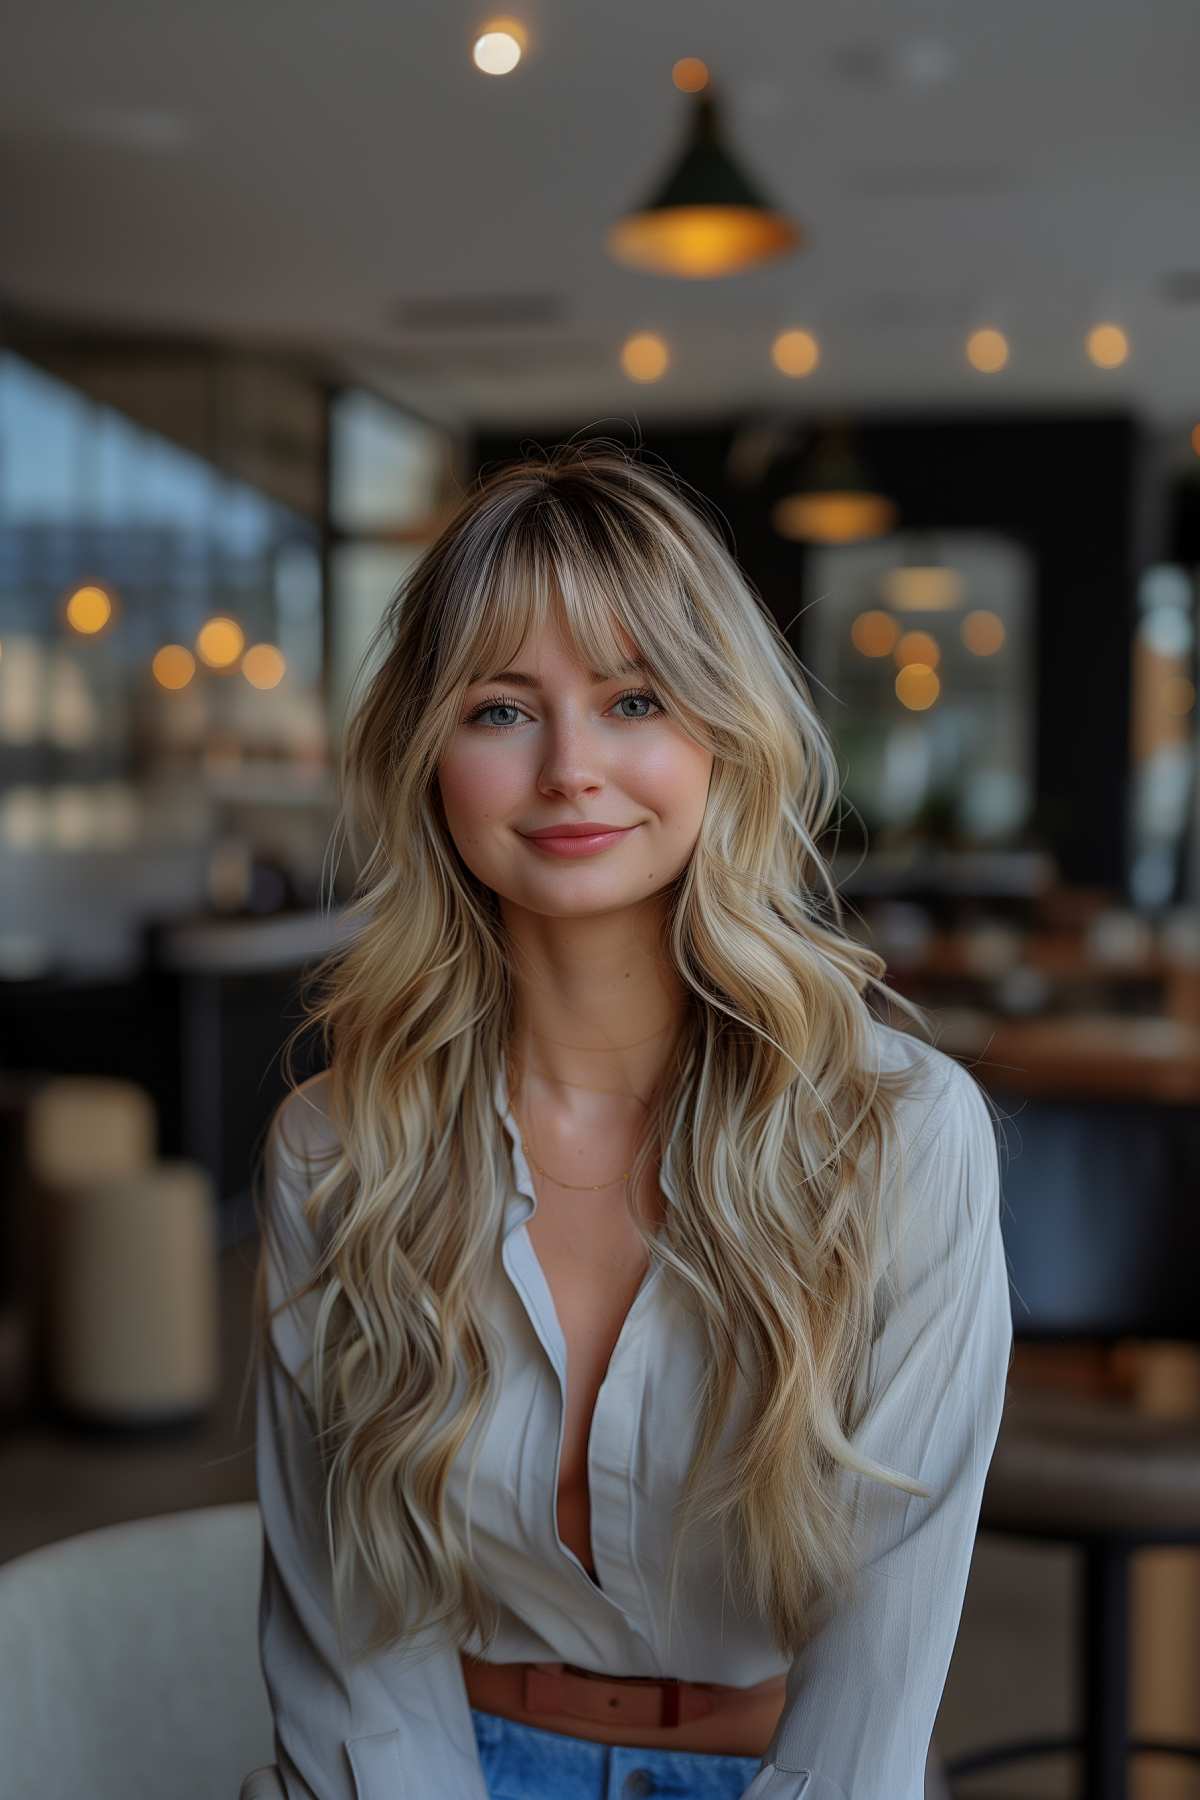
x,y
1113,1056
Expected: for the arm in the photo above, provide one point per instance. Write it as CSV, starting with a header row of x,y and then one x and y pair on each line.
x,y
863,1694
389,1728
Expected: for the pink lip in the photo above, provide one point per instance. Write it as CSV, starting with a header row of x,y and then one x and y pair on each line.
x,y
577,841
580,828
591,828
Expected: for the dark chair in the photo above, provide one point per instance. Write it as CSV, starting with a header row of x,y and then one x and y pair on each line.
x,y
1101,1224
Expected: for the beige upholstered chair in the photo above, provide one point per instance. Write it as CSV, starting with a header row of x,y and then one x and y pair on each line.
x,y
130,1659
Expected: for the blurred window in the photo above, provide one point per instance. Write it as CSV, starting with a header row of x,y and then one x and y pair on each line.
x,y
921,650
1165,745
392,482
388,467
91,499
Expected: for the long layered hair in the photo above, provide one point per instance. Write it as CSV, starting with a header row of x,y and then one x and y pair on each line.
x,y
780,1125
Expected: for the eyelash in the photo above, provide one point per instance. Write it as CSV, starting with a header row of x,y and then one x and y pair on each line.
x,y
505,700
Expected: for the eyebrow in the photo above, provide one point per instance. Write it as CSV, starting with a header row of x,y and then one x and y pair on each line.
x,y
522,677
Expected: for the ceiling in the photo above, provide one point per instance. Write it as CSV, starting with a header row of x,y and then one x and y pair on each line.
x,y
343,180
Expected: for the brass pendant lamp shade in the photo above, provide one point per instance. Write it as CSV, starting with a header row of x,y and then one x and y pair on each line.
x,y
707,219
835,501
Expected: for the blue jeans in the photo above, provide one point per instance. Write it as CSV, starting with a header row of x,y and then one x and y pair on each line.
x,y
523,1762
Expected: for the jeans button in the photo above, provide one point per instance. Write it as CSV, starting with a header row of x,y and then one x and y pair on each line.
x,y
640,1783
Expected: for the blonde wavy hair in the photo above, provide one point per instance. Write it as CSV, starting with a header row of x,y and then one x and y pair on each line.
x,y
784,1125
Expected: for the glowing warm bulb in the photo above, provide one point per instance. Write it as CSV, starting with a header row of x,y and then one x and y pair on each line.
x,y
987,350
795,352
173,666
499,48
644,356
88,610
690,75
263,666
918,647
1107,345
917,687
219,642
982,633
874,633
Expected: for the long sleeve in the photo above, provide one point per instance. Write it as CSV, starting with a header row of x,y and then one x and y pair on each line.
x,y
863,1694
389,1728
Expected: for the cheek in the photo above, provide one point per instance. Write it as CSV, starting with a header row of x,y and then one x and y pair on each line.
x,y
474,785
673,777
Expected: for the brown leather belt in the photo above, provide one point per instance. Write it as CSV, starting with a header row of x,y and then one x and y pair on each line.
x,y
555,1687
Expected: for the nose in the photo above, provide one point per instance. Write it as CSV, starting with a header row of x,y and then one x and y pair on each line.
x,y
573,760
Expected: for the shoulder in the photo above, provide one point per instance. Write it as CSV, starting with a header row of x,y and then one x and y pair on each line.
x,y
944,1170
301,1144
299,1140
302,1129
941,1092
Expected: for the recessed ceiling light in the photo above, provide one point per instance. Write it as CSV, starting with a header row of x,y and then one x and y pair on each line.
x,y
499,47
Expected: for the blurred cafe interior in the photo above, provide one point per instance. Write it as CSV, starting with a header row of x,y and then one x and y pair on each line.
x,y
911,294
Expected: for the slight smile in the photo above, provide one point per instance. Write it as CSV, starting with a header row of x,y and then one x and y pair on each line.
x,y
576,842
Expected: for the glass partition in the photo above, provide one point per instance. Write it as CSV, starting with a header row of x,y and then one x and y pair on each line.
x,y
921,648
161,664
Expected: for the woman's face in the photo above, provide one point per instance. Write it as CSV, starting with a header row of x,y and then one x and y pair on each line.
x,y
544,744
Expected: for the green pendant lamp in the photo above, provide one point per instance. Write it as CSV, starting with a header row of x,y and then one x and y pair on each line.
x,y
707,218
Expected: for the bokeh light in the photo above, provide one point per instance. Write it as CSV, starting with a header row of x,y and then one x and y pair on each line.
x,y
1107,345
690,75
264,666
987,350
219,642
795,352
499,48
644,356
88,610
173,666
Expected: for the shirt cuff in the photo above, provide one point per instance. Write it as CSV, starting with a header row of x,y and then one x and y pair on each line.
x,y
773,1783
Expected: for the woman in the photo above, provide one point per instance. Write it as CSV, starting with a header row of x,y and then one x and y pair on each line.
x,y
635,1318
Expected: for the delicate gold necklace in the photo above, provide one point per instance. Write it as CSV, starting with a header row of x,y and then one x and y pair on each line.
x,y
579,1187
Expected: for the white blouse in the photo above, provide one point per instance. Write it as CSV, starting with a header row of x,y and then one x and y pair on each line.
x,y
862,1695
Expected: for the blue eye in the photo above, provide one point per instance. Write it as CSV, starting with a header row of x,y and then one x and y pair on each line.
x,y
505,700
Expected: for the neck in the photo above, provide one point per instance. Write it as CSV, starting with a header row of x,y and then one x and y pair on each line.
x,y
597,1016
